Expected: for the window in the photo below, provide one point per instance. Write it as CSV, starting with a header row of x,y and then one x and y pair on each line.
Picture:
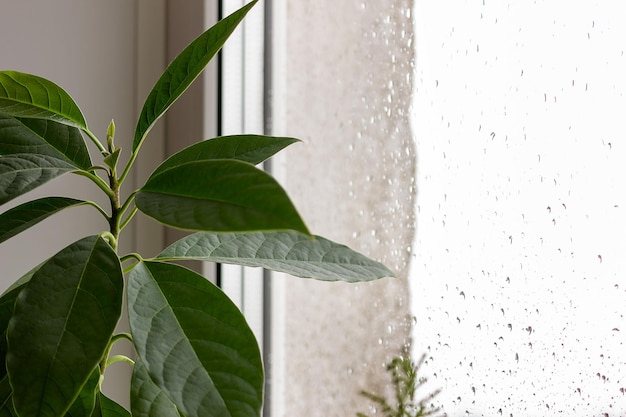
x,y
476,148
517,279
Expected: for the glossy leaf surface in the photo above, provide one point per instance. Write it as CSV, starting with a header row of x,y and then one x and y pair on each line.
x,y
146,398
106,407
289,252
7,305
20,218
86,401
185,68
43,137
61,326
218,195
20,173
6,398
27,95
194,342
253,149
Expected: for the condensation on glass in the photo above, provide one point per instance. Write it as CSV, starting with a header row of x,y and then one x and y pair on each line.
x,y
519,258
348,82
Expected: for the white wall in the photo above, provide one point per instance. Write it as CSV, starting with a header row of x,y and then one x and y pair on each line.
x,y
73,44
89,49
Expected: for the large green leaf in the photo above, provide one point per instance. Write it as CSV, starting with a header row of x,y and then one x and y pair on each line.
x,y
7,304
253,149
146,398
179,75
20,173
289,252
85,403
106,407
218,195
20,218
43,137
27,95
6,399
194,342
61,327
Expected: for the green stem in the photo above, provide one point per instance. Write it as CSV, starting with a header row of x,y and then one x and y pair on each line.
x,y
126,258
97,207
129,218
95,140
119,358
110,238
128,166
96,179
125,207
121,336
129,256
106,361
116,209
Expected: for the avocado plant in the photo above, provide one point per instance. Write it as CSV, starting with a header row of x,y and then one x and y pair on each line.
x,y
194,352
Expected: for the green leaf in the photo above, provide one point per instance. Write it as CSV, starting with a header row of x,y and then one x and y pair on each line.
x,y
6,399
146,398
20,173
194,342
111,159
61,327
179,75
20,218
30,96
105,407
7,305
218,195
43,137
85,403
289,252
253,149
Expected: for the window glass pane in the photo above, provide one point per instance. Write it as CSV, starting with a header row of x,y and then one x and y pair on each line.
x,y
518,273
343,85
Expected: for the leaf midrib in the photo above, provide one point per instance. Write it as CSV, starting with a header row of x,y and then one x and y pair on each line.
x,y
56,350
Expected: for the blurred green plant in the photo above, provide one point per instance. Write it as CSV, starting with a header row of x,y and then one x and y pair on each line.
x,y
405,383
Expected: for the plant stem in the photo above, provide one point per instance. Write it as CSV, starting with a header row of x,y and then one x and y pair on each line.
x,y
95,140
97,207
119,358
129,165
129,218
114,184
125,207
114,220
96,179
